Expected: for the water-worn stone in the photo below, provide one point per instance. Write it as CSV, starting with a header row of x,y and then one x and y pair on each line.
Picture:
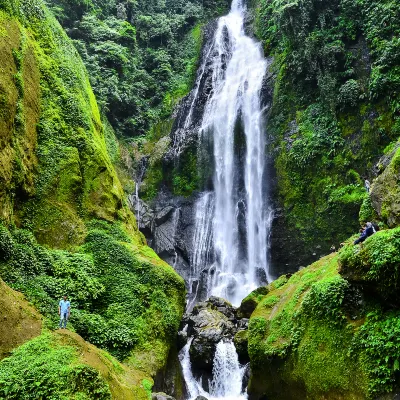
x,y
161,396
208,324
241,342
208,328
201,398
250,303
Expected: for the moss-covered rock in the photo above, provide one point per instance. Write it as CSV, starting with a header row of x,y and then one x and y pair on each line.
x,y
385,192
67,367
241,340
376,264
319,335
300,340
69,225
250,302
20,321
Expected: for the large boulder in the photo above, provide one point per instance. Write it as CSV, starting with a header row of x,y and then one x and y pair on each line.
x,y
209,323
374,264
250,302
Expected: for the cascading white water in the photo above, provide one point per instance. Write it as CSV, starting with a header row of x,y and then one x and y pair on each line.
x,y
203,235
227,374
238,72
232,223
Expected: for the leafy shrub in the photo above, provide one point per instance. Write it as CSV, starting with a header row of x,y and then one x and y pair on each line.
x,y
378,340
349,94
325,300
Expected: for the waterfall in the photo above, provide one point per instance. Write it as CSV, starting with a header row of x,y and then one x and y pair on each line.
x,y
227,374
239,261
203,235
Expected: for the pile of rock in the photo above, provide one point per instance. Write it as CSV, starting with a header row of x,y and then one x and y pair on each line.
x,y
208,324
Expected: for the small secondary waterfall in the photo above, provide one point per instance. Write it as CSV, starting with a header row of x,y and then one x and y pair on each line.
x,y
234,249
227,374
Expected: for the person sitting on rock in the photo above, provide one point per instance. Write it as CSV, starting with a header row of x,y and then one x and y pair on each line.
x,y
368,231
64,311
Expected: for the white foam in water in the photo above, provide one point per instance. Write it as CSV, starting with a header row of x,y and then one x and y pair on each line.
x,y
227,374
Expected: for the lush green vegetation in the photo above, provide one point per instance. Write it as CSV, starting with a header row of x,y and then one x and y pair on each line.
x,y
335,109
121,300
318,321
65,223
44,368
141,55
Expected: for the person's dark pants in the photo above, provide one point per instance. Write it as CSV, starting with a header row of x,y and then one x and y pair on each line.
x,y
63,320
360,239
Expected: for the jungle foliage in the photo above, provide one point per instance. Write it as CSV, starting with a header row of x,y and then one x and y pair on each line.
x,y
141,55
336,106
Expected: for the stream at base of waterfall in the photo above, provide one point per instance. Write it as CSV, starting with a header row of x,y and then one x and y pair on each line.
x,y
232,221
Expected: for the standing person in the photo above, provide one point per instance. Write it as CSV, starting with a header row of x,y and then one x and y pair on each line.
x,y
64,311
367,184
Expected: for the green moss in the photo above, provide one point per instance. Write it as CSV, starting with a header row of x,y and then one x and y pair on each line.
x,y
318,321
301,327
45,368
147,385
375,262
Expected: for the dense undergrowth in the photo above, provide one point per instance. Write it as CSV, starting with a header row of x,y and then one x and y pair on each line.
x,y
44,368
336,106
120,299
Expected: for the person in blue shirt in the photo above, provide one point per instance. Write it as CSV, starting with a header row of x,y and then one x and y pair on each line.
x,y
64,311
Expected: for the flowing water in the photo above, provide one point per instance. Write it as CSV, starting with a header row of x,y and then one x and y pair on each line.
x,y
239,261
232,222
227,375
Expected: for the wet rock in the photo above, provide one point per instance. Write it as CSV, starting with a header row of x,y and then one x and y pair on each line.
x,y
182,338
241,342
208,326
223,307
250,303
201,398
169,379
161,396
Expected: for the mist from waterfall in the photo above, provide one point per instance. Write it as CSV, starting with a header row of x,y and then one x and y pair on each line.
x,y
240,261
